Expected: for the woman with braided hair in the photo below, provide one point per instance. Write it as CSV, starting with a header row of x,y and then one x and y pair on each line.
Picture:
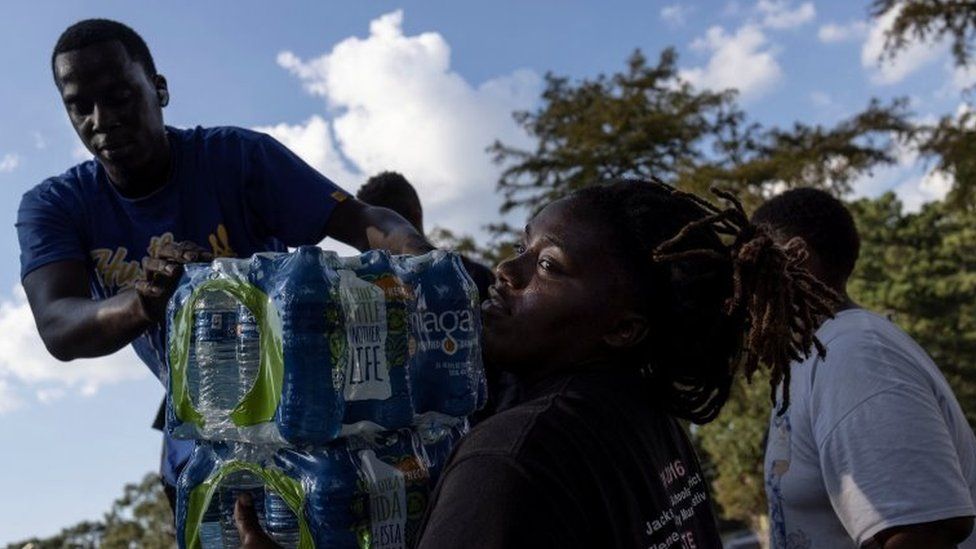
x,y
628,305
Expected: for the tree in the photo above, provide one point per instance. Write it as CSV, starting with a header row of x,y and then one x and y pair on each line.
x,y
141,518
642,122
929,21
648,122
921,269
951,142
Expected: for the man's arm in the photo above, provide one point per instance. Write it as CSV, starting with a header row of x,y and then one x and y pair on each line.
x,y
73,325
366,227
941,534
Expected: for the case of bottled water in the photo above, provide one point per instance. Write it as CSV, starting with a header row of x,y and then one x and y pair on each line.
x,y
330,390
368,491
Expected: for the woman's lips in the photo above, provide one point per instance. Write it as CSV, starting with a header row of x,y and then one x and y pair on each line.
x,y
495,304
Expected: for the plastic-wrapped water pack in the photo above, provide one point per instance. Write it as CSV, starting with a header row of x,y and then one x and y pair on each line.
x,y
332,390
256,349
357,492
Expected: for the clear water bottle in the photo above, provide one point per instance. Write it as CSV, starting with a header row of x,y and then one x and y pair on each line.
x,y
210,531
248,349
233,486
215,332
282,524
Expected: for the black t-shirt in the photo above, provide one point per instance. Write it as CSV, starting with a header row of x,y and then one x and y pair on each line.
x,y
585,461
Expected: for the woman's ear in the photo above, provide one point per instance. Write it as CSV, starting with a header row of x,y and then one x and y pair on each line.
x,y
629,331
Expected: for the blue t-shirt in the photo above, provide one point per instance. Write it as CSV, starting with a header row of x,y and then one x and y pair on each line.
x,y
231,190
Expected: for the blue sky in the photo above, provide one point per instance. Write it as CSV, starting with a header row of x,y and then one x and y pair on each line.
x,y
357,87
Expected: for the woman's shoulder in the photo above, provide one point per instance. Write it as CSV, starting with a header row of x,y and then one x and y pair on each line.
x,y
571,411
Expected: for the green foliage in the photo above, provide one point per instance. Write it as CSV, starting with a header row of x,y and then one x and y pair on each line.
x,y
921,269
733,443
642,122
804,155
951,143
141,518
648,122
929,21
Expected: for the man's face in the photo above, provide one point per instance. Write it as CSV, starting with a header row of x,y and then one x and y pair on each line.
x,y
114,106
556,299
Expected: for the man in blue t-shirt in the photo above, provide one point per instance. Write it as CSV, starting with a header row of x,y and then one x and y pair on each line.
x,y
103,244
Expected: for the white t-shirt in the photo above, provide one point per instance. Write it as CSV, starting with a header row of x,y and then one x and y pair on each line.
x,y
873,438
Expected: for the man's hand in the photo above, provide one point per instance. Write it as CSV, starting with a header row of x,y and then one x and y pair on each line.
x,y
161,273
248,527
368,227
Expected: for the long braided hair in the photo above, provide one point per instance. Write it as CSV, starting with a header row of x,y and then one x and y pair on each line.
x,y
720,295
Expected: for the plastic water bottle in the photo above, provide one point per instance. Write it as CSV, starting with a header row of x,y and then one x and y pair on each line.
x,y
282,524
445,326
336,500
248,350
234,485
211,536
215,330
395,472
312,406
377,390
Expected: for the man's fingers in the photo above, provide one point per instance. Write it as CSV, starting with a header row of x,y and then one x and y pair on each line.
x,y
155,268
248,527
149,290
183,252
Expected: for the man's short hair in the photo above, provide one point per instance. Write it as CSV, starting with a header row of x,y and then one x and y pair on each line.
x,y
96,31
391,190
823,222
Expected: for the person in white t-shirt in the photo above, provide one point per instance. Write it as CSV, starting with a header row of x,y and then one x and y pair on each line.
x,y
872,448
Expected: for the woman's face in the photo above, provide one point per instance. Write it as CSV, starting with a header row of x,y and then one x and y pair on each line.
x,y
556,300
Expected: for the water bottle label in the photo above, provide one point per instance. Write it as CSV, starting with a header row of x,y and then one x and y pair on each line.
x,y
216,325
387,502
367,369
443,331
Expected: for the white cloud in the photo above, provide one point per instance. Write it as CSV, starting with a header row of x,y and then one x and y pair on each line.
x,y
313,142
395,104
9,162
779,14
25,362
913,183
9,400
959,79
39,142
743,60
915,192
821,99
675,14
47,396
836,32
908,60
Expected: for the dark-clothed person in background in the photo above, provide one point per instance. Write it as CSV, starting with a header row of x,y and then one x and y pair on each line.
x,y
872,449
102,245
